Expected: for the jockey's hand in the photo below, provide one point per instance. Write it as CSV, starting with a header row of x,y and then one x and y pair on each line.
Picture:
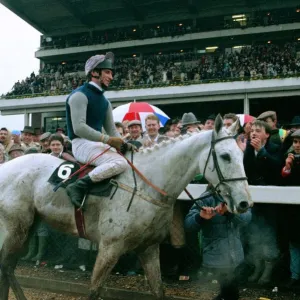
x,y
115,142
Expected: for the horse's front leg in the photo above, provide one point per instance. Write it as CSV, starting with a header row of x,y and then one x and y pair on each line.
x,y
150,262
107,258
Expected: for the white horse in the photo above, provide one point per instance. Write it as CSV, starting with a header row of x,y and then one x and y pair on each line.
x,y
171,165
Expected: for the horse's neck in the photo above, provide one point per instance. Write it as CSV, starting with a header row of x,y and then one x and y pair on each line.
x,y
171,165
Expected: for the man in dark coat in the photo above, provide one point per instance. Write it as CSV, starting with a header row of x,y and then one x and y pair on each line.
x,y
262,164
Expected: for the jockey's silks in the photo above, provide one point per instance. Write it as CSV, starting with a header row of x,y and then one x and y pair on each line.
x,y
96,108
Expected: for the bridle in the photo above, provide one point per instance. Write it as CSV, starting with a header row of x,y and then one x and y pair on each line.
x,y
215,190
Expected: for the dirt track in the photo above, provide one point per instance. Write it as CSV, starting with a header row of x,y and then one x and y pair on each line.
x,y
200,289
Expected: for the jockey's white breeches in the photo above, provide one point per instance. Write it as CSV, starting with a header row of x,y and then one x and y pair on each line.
x,y
107,165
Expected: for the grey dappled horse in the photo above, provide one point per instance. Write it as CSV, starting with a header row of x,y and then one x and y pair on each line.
x,y
170,165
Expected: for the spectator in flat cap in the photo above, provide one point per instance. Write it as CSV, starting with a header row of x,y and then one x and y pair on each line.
x,y
44,142
15,151
27,138
270,117
135,130
210,122
190,123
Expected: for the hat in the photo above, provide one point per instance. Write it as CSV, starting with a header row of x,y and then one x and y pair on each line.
x,y
45,136
267,114
134,122
15,147
295,121
31,150
296,134
211,117
99,61
28,129
16,132
189,118
60,129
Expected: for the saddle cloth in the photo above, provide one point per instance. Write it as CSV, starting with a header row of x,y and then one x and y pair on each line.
x,y
65,169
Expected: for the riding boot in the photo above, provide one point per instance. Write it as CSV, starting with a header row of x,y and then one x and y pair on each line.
x,y
43,243
32,247
258,267
267,274
78,189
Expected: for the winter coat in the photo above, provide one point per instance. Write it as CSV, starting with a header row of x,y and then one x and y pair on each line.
x,y
222,246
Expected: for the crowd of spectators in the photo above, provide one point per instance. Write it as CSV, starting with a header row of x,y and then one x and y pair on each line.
x,y
246,63
255,18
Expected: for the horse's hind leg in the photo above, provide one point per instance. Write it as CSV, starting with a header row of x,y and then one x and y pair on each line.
x,y
107,258
9,255
4,285
150,262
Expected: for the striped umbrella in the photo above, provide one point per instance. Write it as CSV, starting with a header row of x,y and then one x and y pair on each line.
x,y
138,111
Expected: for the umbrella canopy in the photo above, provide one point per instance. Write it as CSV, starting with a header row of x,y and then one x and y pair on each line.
x,y
245,119
138,111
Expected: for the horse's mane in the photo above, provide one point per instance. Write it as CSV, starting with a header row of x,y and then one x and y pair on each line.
x,y
165,143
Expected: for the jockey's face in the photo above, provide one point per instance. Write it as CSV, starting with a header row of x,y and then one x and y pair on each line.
x,y
56,147
27,137
296,145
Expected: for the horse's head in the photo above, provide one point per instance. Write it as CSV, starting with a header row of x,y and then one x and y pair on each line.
x,y
222,165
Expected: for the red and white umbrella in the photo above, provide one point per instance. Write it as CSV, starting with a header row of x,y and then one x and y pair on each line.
x,y
138,111
244,118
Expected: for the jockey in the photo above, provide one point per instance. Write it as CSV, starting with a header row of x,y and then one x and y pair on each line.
x,y
88,111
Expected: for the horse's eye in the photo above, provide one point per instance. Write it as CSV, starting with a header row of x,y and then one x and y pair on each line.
x,y
226,157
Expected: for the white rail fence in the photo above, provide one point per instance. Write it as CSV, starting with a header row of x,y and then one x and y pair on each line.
x,y
260,194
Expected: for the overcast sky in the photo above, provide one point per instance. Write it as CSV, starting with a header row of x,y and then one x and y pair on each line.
x,y
18,43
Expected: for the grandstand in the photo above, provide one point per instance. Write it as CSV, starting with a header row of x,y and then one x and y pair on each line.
x,y
180,55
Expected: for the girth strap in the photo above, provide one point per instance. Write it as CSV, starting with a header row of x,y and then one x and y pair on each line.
x,y
129,189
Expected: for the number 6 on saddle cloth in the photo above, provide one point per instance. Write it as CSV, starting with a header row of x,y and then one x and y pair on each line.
x,y
65,170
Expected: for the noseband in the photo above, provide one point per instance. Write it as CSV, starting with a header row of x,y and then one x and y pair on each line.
x,y
222,180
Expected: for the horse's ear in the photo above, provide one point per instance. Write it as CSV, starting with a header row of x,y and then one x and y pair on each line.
x,y
233,128
218,123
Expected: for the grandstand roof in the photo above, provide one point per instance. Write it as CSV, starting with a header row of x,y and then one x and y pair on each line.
x,y
53,17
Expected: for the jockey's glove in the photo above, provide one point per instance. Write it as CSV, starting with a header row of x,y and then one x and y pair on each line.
x,y
115,142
